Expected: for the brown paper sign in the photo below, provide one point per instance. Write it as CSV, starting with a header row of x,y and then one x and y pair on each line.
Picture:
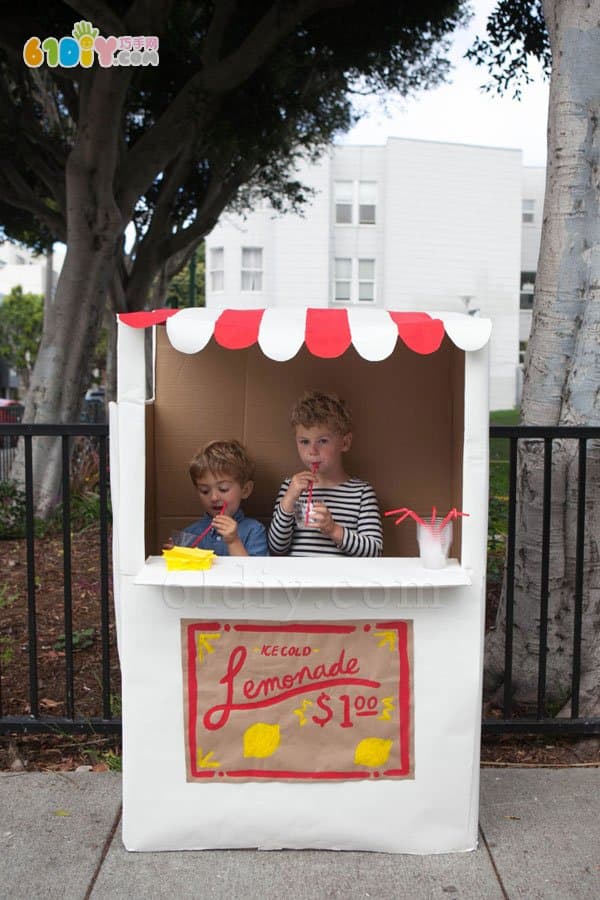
x,y
297,700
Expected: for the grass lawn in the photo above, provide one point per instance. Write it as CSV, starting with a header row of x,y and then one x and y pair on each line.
x,y
498,503
499,450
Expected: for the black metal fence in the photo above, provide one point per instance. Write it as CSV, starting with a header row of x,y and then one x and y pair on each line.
x,y
36,720
538,722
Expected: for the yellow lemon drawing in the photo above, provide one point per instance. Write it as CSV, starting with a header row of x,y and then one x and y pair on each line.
x,y
372,752
261,740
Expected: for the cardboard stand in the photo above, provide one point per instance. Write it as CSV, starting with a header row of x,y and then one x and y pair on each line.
x,y
293,702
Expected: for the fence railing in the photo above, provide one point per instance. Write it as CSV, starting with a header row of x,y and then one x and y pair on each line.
x,y
35,720
538,722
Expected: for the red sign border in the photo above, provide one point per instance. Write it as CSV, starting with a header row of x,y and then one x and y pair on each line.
x,y
401,627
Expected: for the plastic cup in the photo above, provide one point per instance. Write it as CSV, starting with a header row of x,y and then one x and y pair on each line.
x,y
303,511
434,543
183,538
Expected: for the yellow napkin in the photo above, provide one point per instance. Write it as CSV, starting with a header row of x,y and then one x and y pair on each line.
x,y
188,558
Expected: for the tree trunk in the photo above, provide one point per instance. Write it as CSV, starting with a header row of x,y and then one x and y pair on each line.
x,y
72,322
110,377
63,363
562,373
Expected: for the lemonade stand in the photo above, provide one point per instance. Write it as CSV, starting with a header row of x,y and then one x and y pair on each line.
x,y
322,702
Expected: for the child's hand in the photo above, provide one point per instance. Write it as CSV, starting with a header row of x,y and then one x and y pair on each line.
x,y
324,521
226,527
299,483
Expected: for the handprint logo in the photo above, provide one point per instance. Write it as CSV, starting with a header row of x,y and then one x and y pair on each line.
x,y
84,29
85,35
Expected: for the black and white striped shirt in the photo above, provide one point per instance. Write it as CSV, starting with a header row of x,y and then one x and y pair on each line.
x,y
353,505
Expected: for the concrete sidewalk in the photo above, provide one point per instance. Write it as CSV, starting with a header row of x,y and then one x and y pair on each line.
x,y
540,840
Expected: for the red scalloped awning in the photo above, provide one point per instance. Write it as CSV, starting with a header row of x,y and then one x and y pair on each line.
x,y
327,332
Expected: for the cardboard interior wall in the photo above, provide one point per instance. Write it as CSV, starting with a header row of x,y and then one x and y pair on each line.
x,y
408,428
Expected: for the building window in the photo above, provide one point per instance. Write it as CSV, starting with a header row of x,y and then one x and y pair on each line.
x,y
366,280
217,269
355,202
343,280
252,269
367,202
528,212
344,196
354,280
522,352
527,289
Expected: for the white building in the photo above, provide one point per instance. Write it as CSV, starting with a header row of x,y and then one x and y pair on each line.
x,y
19,266
412,224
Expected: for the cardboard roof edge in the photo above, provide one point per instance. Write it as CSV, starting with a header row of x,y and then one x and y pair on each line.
x,y
327,332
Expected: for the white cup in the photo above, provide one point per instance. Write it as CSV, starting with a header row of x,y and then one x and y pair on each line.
x,y
434,543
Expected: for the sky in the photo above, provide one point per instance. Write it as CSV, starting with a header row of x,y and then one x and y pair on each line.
x,y
460,112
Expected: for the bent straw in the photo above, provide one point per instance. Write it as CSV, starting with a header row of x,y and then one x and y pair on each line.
x,y
405,512
207,529
453,514
314,468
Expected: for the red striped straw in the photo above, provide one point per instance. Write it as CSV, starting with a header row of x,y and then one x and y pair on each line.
x,y
314,468
197,540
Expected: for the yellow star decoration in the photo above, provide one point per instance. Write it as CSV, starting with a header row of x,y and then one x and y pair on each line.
x,y
388,706
300,711
203,644
387,637
205,761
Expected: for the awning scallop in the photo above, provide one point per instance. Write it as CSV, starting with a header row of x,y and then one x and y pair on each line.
x,y
281,331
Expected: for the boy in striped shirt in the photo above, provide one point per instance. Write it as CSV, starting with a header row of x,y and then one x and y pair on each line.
x,y
344,518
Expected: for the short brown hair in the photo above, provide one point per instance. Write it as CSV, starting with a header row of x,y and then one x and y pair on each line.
x,y
223,457
316,408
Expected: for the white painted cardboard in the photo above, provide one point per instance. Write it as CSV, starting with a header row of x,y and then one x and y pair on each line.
x,y
437,811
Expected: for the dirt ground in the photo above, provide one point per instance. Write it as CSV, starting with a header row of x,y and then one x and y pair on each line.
x,y
66,752
57,751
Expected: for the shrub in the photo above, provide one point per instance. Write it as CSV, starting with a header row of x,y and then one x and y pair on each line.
x,y
12,510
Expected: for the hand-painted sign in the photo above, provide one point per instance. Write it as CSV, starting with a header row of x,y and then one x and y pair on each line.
x,y
297,701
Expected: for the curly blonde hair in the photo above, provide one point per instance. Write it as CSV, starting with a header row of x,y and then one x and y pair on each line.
x,y
223,458
317,408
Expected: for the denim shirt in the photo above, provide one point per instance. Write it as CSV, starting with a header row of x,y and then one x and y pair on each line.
x,y
251,533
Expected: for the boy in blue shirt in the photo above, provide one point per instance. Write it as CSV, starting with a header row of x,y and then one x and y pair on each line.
x,y
222,474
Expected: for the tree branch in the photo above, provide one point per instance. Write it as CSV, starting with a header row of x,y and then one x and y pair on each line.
x,y
158,145
216,30
276,24
150,246
148,16
100,14
24,198
118,292
220,192
55,182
